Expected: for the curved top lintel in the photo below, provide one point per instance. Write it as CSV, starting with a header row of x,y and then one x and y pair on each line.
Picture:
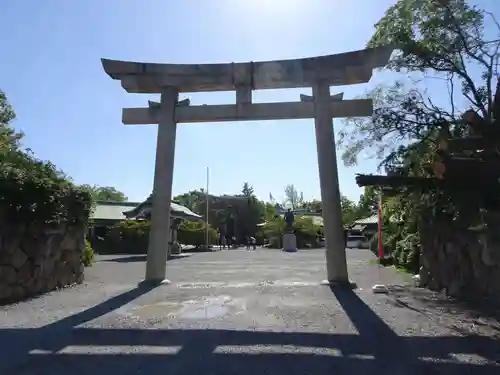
x,y
339,69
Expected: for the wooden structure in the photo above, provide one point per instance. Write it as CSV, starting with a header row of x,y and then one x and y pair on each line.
x,y
364,227
319,73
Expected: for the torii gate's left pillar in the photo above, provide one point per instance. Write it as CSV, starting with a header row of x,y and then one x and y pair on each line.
x,y
159,236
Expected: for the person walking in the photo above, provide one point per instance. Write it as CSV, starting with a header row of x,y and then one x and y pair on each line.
x,y
222,241
253,242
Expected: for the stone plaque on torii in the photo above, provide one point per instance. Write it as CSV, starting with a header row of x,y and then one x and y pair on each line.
x,y
318,72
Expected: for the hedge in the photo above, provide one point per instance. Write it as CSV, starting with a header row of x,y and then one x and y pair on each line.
x,y
305,231
132,236
403,250
193,233
35,192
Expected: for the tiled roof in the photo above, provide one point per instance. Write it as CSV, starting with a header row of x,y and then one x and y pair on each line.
x,y
176,210
358,227
115,210
367,220
112,210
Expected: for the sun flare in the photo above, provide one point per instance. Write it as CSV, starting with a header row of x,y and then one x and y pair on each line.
x,y
277,8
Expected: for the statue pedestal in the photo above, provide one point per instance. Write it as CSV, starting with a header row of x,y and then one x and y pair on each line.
x,y
175,248
289,243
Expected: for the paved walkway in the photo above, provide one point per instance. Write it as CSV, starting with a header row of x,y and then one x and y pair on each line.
x,y
241,312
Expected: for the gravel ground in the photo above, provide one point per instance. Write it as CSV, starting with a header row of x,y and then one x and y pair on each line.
x,y
244,312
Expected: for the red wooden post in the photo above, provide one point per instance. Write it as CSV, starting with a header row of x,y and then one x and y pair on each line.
x,y
379,214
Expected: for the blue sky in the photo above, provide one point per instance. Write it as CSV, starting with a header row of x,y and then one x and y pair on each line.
x,y
70,109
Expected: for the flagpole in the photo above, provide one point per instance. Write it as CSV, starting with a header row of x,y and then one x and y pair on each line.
x,y
206,211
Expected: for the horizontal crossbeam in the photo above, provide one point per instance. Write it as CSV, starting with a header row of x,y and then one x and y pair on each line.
x,y
248,112
336,70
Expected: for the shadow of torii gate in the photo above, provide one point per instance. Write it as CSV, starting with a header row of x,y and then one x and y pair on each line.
x,y
318,72
376,349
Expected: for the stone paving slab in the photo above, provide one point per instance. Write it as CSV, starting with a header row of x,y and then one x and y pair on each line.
x,y
235,312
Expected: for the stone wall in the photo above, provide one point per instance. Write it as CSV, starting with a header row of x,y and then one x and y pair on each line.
x,y
462,262
36,260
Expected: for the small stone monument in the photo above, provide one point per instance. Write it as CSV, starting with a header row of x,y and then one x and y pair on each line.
x,y
289,239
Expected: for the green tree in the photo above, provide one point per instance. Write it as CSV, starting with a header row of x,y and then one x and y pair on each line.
x,y
269,211
247,190
293,197
349,210
443,40
368,202
34,192
313,206
304,228
192,200
251,214
105,193
246,210
9,138
455,45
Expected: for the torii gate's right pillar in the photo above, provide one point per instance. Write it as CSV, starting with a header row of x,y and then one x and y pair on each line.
x,y
336,262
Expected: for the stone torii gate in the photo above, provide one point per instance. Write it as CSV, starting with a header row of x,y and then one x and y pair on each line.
x,y
318,72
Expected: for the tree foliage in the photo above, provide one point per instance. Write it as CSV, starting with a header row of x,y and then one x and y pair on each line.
x,y
293,198
306,232
247,190
368,202
105,193
9,138
34,191
349,210
452,46
446,37
442,41
244,210
313,206
132,236
194,233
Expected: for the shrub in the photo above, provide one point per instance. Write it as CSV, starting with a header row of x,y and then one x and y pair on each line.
x,y
128,237
388,244
193,233
273,227
88,254
407,253
35,192
304,229
132,236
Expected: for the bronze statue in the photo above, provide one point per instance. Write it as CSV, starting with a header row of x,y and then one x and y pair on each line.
x,y
289,219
